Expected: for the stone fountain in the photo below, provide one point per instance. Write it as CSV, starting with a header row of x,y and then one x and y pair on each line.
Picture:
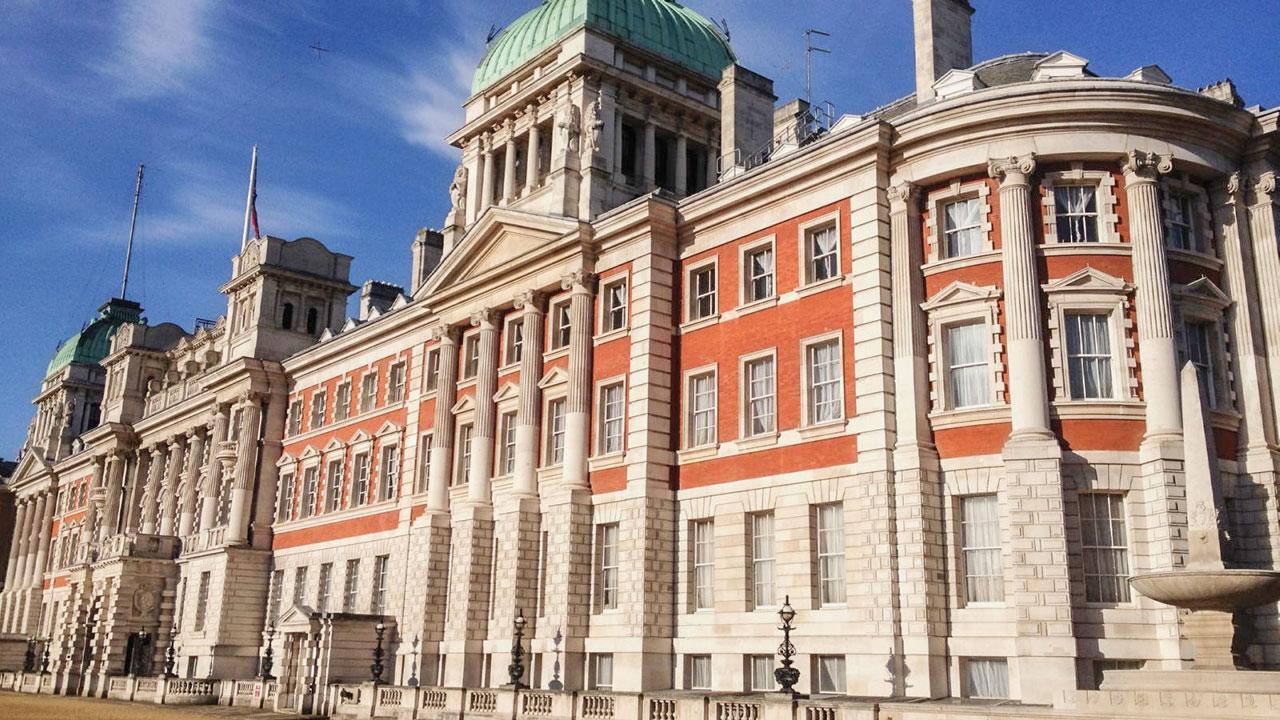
x,y
1210,591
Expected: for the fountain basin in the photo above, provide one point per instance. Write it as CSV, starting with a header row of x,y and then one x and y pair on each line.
x,y
1220,590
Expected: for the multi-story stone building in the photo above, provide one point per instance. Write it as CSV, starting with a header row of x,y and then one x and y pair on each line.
x,y
678,356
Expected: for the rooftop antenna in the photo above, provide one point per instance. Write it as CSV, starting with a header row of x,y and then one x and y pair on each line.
x,y
133,226
809,50
493,33
318,49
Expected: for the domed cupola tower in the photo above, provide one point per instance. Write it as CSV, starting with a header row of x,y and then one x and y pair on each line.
x,y
579,106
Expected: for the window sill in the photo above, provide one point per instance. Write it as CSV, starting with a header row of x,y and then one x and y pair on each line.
x,y
830,428
756,306
610,336
555,354
814,288
1195,258
1087,248
758,441
699,323
985,414
509,368
698,454
604,462
1098,409
982,258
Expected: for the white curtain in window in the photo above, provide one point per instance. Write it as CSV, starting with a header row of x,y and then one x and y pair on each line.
x,y
699,672
831,674
703,395
1105,542
1199,343
824,254
1089,356
1076,207
760,394
824,376
761,274
981,549
963,228
987,678
762,672
968,355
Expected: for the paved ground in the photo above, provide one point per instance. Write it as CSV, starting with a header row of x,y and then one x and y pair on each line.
x,y
14,706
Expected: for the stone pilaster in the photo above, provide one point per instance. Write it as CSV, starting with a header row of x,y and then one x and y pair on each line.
x,y
1264,230
209,499
509,164
529,411
149,508
469,589
535,148
481,471
191,483
246,461
110,522
93,512
486,189
169,491
40,537
577,420
18,546
442,434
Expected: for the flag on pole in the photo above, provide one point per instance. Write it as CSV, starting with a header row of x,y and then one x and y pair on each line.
x,y
251,203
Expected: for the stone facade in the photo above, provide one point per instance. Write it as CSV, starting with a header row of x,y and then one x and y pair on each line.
x,y
916,374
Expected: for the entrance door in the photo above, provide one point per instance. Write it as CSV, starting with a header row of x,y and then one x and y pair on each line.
x,y
137,654
292,682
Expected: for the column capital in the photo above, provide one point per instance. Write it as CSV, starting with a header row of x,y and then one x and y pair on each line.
x,y
1141,166
445,335
1262,189
157,451
99,463
1012,170
903,196
486,317
249,397
530,300
579,281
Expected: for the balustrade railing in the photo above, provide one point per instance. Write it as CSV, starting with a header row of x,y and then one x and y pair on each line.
x,y
536,704
482,702
728,710
662,709
598,706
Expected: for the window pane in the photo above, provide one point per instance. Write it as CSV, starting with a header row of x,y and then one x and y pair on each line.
x,y
1076,208
612,407
981,549
699,672
703,565
824,381
831,584
702,402
1089,356
1199,343
1106,555
762,559
760,395
822,254
831,674
986,678
762,672
962,223
759,274
968,372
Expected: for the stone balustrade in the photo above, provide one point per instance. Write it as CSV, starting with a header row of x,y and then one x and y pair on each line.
x,y
136,545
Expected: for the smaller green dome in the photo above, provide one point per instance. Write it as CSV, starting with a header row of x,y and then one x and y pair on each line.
x,y
93,342
663,27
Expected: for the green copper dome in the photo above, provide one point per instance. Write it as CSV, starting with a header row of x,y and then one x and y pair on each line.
x,y
663,27
93,343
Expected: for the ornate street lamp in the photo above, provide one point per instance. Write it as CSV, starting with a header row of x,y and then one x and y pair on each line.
x,y
555,683
516,668
170,659
376,667
29,658
787,676
267,660
44,658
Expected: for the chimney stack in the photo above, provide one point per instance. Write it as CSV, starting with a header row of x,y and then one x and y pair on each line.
x,y
428,251
944,41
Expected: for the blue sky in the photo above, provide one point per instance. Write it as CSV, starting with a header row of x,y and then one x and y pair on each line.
x,y
351,142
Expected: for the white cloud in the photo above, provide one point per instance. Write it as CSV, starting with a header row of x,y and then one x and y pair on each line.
x,y
159,46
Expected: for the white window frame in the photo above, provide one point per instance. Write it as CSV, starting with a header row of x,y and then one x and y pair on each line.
x,y
691,301
744,392
963,551
692,672
361,472
506,443
342,401
1119,582
330,463
396,386
1104,185
1171,188
513,344
835,678
966,684
806,377
388,472
549,431
690,425
604,322
324,586
835,599
746,295
1200,302
962,304
319,409
602,671
936,201
431,371
764,554
464,447
759,673
351,585
310,488
381,583
603,420
470,355
296,410
608,565
804,235
369,395
288,488
702,565
555,326
1089,291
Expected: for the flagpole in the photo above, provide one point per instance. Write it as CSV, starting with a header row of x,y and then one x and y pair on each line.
x,y
248,203
133,226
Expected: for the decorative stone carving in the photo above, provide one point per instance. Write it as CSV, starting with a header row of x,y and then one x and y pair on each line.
x,y
458,189
571,127
530,298
594,126
577,278
904,194
1013,169
1146,166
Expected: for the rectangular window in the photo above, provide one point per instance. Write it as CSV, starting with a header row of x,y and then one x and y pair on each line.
x,y
1199,341
395,383
350,586
615,307
607,539
822,254
295,417
698,672
986,678
470,356
762,560
317,410
823,365
602,671
1076,208
1106,547
389,475
980,549
561,325
284,505
368,391
1089,356
702,410
831,585
612,420
422,477
299,585
514,348
324,587
360,480
507,449
433,371
757,274
277,594
342,402
462,473
310,481
760,396
202,601
333,490
1182,226
555,432
829,669
702,293
704,568
760,673
962,228
968,372
377,604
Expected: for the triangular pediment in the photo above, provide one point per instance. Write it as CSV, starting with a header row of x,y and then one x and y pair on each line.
x,y
1061,64
556,376
1088,279
1151,74
333,446
286,460
466,404
958,293
388,428
359,437
295,618
500,238
1205,291
508,391
308,452
31,468
957,82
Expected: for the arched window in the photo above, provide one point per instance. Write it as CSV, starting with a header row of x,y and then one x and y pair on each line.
x,y
286,316
313,321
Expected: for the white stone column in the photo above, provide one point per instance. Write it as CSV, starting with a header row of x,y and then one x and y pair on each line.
x,y
246,462
649,178
131,500
191,483
1028,382
93,513
169,492
17,547
577,420
486,385
44,515
213,479
529,412
486,189
1151,276
1264,216
509,166
682,164
910,340
442,432
535,149
151,494
111,522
